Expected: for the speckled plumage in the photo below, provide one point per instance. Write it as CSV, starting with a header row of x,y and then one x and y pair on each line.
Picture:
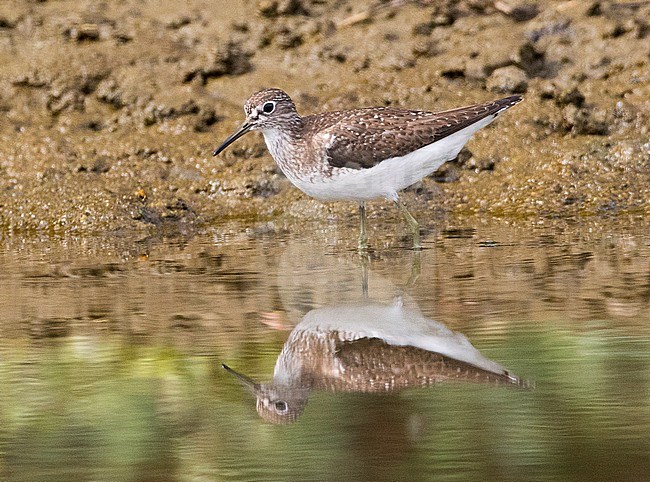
x,y
361,154
366,137
373,348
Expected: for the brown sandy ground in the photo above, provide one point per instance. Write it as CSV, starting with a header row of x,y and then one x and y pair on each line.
x,y
109,110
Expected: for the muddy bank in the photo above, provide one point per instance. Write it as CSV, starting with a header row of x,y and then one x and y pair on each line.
x,y
109,113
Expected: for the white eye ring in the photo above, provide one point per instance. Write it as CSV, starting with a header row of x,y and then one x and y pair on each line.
x,y
268,107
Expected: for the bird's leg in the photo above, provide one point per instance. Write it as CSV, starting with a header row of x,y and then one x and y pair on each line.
x,y
413,224
364,274
416,269
363,235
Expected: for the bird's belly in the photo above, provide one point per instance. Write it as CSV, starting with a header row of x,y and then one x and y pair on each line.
x,y
350,185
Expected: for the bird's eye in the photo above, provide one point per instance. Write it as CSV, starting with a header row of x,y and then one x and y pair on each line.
x,y
281,406
268,107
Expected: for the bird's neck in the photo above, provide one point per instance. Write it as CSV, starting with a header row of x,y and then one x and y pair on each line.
x,y
285,144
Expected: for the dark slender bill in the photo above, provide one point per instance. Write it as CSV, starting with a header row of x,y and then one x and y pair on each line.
x,y
243,379
245,127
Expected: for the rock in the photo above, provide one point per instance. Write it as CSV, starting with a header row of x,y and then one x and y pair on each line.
x,y
6,23
476,69
425,48
423,29
34,79
288,39
442,20
562,93
332,52
60,98
570,97
478,165
448,172
397,61
551,28
467,160
521,12
463,157
83,32
585,121
229,59
101,165
508,80
642,28
530,57
278,8
178,22
206,117
594,10
109,92
454,69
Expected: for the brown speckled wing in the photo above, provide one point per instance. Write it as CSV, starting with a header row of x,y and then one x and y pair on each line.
x,y
363,138
372,365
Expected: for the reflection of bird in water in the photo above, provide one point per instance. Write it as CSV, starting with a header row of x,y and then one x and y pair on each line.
x,y
368,347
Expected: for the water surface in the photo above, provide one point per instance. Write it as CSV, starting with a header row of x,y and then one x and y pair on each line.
x,y
111,351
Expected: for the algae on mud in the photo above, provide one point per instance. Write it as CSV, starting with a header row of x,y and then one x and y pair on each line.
x,y
109,113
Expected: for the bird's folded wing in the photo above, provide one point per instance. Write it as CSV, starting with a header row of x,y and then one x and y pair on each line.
x,y
362,138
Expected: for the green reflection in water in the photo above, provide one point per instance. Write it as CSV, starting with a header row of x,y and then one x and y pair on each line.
x,y
85,408
80,410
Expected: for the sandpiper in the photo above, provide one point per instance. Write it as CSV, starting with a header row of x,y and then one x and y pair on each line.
x,y
362,154
368,347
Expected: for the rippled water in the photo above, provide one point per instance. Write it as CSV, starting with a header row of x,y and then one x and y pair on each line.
x,y
496,354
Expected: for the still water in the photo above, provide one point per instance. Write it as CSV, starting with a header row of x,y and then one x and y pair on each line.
x,y
497,353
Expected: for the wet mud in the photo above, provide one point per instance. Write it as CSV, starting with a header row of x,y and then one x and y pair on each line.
x,y
109,111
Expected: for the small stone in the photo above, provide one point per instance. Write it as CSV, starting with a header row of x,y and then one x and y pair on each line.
x,y
585,121
463,157
475,69
448,172
109,92
425,48
563,93
423,29
83,32
101,165
570,97
594,10
616,30
228,59
454,69
62,100
521,12
530,58
276,8
6,23
397,62
524,12
288,40
122,37
179,22
507,80
642,28
207,117
442,20
267,8
478,165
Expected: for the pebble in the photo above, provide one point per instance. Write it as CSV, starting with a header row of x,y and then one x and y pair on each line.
x,y
508,80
